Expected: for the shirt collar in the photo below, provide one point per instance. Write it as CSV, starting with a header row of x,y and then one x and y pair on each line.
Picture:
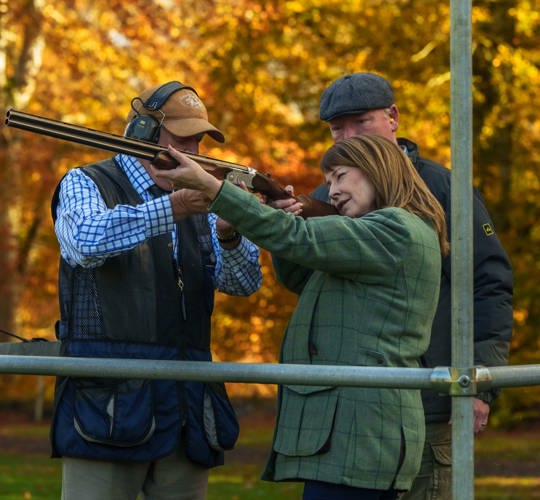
x,y
137,174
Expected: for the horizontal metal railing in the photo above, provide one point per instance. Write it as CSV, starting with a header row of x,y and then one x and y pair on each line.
x,y
270,373
449,380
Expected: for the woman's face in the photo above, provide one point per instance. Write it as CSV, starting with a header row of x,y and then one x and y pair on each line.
x,y
350,191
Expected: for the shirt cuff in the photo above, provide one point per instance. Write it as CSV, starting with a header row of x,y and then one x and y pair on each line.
x,y
237,255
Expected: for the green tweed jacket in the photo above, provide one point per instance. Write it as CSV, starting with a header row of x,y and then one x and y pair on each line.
x,y
368,289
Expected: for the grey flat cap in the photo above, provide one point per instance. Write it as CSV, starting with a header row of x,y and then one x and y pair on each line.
x,y
355,93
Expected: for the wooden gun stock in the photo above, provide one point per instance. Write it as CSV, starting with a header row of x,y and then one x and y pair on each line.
x,y
256,181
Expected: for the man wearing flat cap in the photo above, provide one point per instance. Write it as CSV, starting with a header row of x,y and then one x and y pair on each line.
x,y
363,103
138,269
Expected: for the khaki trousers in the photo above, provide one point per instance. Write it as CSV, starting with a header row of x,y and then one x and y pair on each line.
x,y
434,481
170,478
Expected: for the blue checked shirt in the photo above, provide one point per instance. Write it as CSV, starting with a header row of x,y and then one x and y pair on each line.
x,y
89,232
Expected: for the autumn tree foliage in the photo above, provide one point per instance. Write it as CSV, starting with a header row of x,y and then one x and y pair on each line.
x,y
260,67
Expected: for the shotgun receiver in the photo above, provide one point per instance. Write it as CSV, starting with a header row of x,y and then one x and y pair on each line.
x,y
256,181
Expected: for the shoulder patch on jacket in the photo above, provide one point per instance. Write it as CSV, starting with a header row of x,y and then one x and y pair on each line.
x,y
488,229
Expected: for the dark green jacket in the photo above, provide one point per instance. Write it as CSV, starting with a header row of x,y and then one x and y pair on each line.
x,y
368,289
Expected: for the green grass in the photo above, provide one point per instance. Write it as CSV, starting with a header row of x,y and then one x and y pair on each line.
x,y
506,467
28,476
258,435
504,447
239,479
242,483
500,488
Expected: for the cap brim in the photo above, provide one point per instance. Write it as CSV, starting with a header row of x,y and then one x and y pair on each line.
x,y
339,113
188,127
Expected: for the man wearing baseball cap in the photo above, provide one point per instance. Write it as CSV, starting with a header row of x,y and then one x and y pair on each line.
x,y
363,103
138,269
176,107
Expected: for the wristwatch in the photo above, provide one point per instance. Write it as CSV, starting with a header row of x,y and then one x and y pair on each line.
x,y
234,237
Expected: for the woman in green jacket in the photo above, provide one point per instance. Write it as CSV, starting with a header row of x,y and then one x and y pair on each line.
x,y
367,282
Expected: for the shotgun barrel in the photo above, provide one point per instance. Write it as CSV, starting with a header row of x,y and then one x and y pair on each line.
x,y
255,180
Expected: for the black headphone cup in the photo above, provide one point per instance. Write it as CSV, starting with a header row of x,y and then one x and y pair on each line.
x,y
143,128
146,127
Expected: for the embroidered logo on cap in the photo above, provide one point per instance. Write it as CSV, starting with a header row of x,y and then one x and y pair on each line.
x,y
191,100
488,229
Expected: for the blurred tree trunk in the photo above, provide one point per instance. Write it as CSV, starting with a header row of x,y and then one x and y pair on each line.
x,y
40,398
20,59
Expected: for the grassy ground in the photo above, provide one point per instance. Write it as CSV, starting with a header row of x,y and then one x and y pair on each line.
x,y
507,465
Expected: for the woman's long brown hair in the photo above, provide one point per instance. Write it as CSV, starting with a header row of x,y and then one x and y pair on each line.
x,y
396,181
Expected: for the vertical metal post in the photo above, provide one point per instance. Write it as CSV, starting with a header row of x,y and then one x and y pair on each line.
x,y
462,243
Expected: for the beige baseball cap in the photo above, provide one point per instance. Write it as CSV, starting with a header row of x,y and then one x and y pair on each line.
x,y
184,114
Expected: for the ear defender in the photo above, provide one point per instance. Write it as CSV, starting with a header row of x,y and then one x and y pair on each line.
x,y
146,127
143,127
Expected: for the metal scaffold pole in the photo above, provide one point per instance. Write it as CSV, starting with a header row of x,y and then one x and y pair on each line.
x,y
462,247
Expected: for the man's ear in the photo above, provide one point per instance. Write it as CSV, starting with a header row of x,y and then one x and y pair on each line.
x,y
393,113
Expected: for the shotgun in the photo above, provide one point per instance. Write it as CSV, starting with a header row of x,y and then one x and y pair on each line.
x,y
255,180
